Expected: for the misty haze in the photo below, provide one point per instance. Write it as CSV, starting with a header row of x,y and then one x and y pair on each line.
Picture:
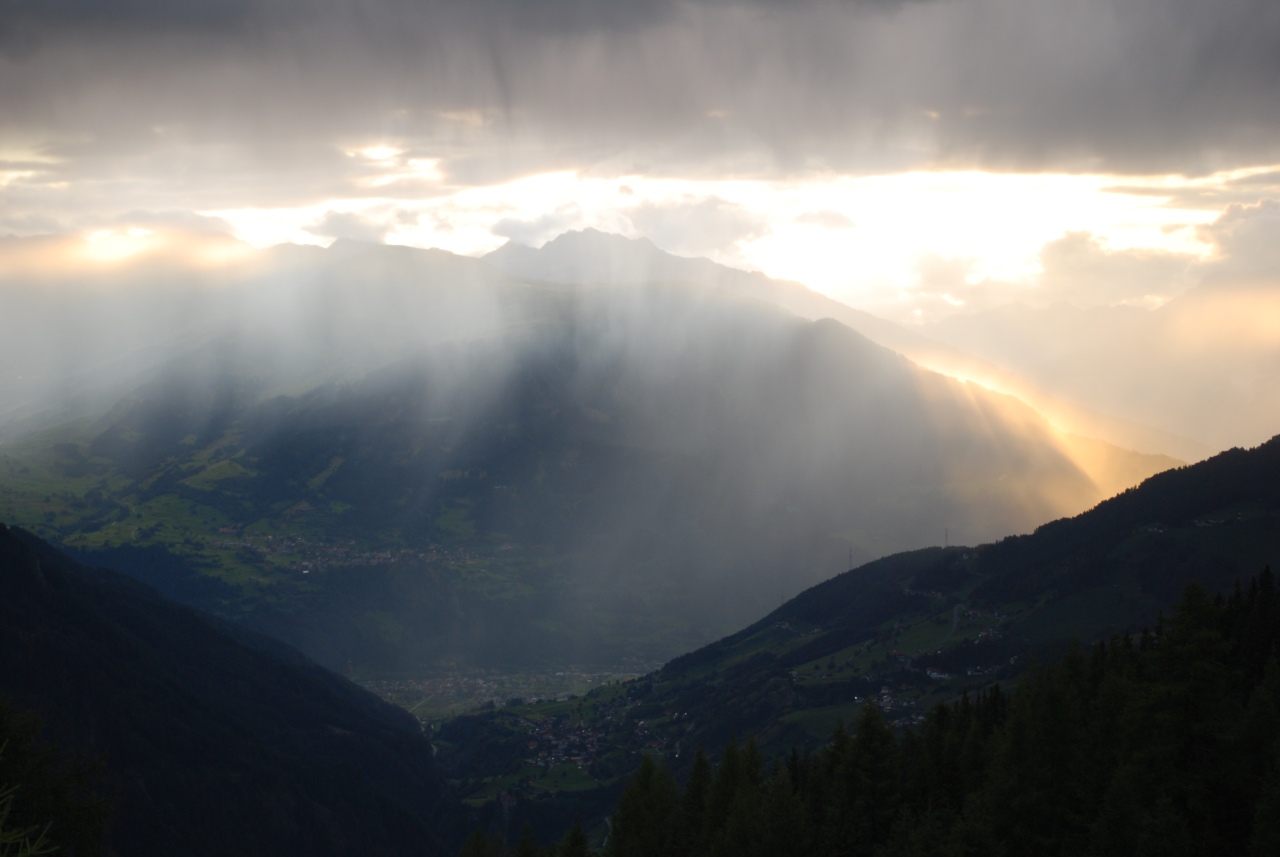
x,y
543,473
686,427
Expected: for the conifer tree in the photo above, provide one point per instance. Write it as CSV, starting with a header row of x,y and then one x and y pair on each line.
x,y
642,824
528,844
574,843
872,775
1163,745
689,836
479,845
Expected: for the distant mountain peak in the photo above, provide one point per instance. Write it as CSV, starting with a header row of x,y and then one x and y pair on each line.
x,y
591,237
347,246
592,256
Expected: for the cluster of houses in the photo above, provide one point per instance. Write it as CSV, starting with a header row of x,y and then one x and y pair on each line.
x,y
554,741
460,689
567,740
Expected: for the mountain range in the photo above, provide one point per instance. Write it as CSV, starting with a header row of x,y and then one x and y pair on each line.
x,y
1002,349
200,720
395,458
392,461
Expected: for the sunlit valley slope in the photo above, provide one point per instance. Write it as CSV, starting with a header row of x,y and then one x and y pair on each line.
x,y
1205,365
396,458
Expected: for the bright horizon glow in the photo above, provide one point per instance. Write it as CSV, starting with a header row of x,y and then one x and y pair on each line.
x,y
111,246
380,153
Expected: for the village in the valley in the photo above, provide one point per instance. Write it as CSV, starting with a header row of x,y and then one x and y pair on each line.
x,y
458,690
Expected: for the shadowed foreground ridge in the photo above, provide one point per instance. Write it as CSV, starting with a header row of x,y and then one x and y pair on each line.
x,y
1158,744
215,742
915,629
1111,570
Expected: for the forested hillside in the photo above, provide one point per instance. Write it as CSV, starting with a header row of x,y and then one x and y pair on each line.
x,y
907,631
1162,743
211,740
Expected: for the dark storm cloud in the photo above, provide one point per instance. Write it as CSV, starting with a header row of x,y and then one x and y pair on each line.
x,y
257,101
28,21
561,16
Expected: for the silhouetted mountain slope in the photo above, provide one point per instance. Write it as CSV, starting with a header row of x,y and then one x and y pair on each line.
x,y
594,257
1160,743
591,256
1108,570
919,627
216,741
1235,493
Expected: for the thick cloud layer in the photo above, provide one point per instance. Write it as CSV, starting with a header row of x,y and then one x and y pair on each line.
x,y
235,102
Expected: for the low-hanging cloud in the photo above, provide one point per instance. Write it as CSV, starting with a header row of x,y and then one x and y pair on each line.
x,y
539,230
698,227
826,219
1247,240
1081,271
339,224
1079,268
1215,194
184,221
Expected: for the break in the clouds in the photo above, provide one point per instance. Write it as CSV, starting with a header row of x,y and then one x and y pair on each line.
x,y
537,231
828,219
906,155
1242,245
698,227
345,224
192,104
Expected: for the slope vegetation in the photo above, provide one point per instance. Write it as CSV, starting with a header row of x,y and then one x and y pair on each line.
x,y
906,632
214,741
401,457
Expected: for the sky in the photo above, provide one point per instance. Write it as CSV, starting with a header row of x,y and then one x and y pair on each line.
x,y
912,157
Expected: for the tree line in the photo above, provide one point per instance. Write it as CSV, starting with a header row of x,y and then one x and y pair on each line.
x,y
1163,743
